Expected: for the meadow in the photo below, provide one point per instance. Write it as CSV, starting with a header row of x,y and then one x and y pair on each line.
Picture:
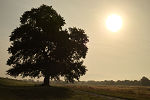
x,y
24,90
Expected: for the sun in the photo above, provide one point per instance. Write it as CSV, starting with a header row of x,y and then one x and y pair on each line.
x,y
114,23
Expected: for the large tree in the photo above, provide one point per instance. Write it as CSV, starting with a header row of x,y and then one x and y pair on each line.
x,y
145,81
41,47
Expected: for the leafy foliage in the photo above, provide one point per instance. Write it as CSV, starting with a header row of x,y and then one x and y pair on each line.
x,y
40,47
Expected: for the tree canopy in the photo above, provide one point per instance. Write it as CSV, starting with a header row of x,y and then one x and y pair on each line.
x,y
41,47
145,81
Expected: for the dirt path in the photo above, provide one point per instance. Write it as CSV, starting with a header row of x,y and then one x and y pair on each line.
x,y
102,96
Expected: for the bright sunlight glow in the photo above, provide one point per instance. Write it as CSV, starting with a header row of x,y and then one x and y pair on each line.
x,y
114,23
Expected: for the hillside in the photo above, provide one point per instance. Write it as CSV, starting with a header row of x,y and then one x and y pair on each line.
x,y
13,82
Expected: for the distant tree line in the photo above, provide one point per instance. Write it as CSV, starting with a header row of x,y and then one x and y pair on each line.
x,y
144,81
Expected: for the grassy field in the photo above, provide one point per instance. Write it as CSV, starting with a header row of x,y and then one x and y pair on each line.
x,y
124,92
21,90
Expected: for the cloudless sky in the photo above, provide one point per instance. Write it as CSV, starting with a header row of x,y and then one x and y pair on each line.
x,y
112,56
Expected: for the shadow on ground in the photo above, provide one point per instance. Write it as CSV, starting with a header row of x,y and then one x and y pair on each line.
x,y
34,93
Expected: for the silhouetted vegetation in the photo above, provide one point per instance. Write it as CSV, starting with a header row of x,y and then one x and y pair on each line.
x,y
143,82
41,47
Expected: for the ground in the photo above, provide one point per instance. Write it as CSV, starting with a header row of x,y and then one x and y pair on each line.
x,y
21,90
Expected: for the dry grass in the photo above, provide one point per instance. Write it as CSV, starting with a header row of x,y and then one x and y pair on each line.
x,y
126,92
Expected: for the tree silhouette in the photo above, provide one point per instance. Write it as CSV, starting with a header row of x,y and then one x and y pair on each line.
x,y
145,81
40,47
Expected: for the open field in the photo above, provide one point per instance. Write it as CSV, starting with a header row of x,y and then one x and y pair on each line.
x,y
124,92
20,90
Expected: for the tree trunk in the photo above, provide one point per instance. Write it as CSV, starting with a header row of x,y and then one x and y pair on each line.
x,y
46,80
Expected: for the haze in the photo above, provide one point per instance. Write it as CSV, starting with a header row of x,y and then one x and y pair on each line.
x,y
112,56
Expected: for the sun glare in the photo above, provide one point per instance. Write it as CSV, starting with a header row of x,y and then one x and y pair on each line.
x,y
114,23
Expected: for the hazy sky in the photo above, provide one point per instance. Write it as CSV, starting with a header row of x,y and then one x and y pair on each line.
x,y
118,56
